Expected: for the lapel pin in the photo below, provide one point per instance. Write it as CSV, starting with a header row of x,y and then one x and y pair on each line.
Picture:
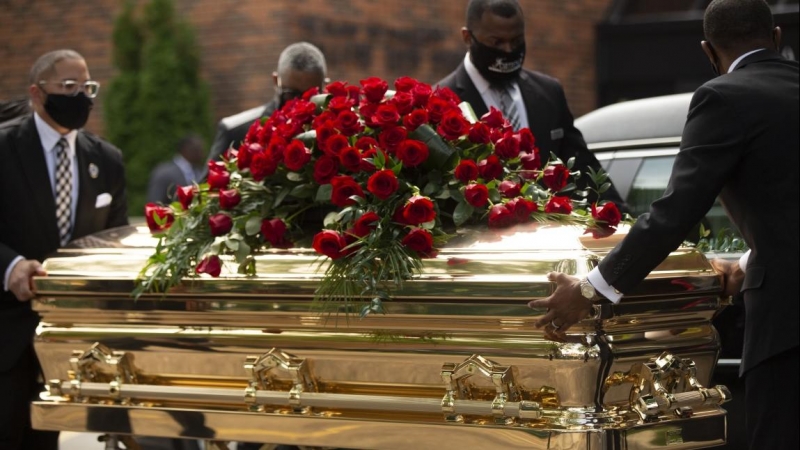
x,y
93,170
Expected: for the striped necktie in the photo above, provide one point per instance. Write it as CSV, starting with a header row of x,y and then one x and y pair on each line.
x,y
63,191
508,106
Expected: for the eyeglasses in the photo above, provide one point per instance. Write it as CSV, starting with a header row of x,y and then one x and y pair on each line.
x,y
72,87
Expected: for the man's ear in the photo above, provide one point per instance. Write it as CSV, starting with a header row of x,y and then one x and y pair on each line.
x,y
36,95
465,36
275,78
776,38
712,57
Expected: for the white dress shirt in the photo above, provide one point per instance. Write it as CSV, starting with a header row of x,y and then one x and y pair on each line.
x,y
490,97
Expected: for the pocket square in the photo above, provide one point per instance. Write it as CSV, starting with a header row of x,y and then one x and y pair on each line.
x,y
103,199
558,133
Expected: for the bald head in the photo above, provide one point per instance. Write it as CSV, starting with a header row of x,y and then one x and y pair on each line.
x,y
738,25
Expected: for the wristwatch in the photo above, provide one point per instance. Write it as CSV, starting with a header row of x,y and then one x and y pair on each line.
x,y
588,291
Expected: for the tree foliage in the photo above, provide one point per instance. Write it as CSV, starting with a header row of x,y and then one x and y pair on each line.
x,y
158,96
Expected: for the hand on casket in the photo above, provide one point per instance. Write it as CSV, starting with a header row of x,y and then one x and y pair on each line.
x,y
565,306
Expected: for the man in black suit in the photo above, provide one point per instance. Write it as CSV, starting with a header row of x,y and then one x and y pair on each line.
x,y
740,142
183,169
492,75
301,66
57,183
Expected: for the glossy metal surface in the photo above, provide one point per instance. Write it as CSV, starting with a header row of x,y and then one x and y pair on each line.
x,y
198,347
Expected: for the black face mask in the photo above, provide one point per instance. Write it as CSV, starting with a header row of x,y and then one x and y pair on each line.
x,y
69,111
497,66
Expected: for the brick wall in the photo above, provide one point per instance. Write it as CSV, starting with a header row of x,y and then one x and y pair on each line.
x,y
240,41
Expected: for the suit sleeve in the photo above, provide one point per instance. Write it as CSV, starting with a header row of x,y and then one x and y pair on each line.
x,y
118,215
711,148
221,143
158,185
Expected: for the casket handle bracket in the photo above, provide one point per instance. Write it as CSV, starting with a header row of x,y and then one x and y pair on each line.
x,y
456,376
259,368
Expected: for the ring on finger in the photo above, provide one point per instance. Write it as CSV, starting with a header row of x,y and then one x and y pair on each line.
x,y
555,327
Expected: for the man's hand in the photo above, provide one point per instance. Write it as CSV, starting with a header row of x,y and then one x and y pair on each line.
x,y
565,307
733,276
20,281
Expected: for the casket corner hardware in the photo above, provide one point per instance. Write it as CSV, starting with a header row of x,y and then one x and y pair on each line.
x,y
98,364
259,368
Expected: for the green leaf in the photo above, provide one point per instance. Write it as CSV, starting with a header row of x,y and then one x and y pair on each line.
x,y
570,162
279,198
242,252
462,213
294,176
439,152
324,193
457,195
309,138
330,219
252,226
232,244
468,112
604,187
430,188
379,160
302,191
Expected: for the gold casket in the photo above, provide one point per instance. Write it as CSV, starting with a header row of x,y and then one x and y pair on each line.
x,y
455,363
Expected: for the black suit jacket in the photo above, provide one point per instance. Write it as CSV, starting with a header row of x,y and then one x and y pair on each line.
x,y
740,142
27,214
233,129
549,119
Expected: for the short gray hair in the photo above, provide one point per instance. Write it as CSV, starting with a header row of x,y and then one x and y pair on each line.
x,y
303,57
45,65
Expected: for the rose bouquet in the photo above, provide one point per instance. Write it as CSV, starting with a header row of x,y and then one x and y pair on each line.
x,y
380,178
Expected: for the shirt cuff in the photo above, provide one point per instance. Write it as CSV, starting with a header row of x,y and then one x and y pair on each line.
x,y
10,267
600,285
743,261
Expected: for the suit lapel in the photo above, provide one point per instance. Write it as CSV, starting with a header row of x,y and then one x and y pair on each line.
x,y
86,191
468,92
31,155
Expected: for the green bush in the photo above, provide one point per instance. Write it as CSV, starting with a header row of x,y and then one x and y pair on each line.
x,y
158,96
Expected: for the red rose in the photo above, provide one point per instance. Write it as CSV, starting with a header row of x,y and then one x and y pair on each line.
x,y
522,208
210,265
218,178
325,168
386,115
526,140
262,166
329,243
229,198
345,187
445,93
337,105
347,122
558,205
420,241
253,132
365,143
507,147
326,116
403,101
607,213
405,84
476,195
466,171
296,155
530,161
390,138
500,217
493,118
382,184
220,224
366,224
367,161
437,108
490,168
509,189
350,158
556,177
367,111
412,153
185,195
336,89
310,93
302,111
335,144
159,218
415,119
421,92
373,89
324,132
353,93
274,232
480,133
453,125
418,210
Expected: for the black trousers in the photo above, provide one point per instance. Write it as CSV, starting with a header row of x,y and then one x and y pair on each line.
x,y
18,387
772,402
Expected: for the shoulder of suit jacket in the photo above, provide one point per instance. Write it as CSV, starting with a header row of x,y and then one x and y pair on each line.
x,y
243,117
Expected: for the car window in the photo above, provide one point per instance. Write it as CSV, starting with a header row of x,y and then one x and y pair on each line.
x,y
649,185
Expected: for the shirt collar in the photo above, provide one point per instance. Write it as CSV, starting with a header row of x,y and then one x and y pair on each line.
x,y
49,136
477,79
739,59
